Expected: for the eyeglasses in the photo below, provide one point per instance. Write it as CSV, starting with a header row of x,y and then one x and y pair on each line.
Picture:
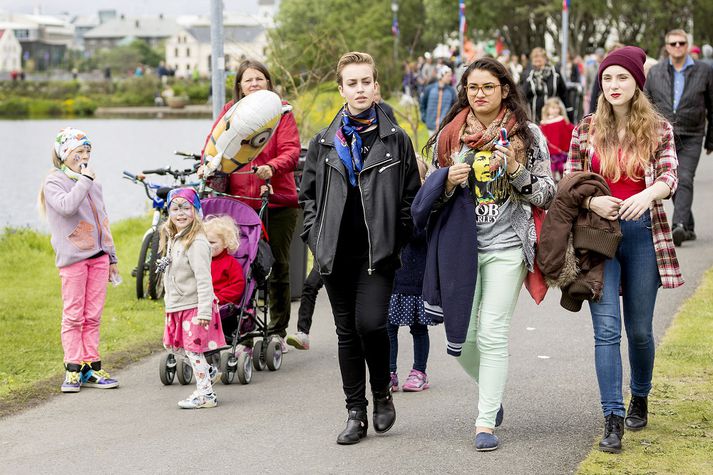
x,y
676,44
488,89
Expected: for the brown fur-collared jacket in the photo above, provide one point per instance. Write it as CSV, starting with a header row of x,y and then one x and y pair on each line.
x,y
575,242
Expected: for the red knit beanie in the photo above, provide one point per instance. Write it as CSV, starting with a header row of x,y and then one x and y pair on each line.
x,y
630,58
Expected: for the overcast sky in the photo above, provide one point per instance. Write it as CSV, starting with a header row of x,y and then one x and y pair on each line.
x,y
127,7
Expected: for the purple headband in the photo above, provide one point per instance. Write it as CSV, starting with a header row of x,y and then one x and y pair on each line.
x,y
188,194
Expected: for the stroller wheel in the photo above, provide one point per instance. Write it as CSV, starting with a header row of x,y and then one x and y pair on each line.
x,y
245,368
273,356
184,371
259,355
167,368
227,367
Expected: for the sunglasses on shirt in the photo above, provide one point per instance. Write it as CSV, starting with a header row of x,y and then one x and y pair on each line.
x,y
677,43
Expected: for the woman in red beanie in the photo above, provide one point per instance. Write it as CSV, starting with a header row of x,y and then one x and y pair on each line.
x,y
631,146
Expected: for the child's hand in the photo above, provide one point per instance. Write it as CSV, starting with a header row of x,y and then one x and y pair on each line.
x,y
203,322
86,171
114,273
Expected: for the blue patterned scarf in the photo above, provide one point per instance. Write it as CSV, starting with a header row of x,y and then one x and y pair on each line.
x,y
348,142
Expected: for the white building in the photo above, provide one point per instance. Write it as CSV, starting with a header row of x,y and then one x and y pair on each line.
x,y
10,51
190,48
153,30
44,39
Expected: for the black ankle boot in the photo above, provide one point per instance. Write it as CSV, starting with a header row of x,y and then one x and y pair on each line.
x,y
638,414
613,433
356,428
384,411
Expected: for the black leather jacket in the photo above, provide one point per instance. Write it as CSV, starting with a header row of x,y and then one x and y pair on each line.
x,y
388,183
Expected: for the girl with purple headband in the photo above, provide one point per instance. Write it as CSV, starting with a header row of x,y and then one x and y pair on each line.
x,y
192,319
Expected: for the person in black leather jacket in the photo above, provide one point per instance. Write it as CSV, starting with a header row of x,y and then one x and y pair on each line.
x,y
359,180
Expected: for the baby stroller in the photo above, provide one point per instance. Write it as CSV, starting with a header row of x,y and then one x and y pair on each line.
x,y
247,321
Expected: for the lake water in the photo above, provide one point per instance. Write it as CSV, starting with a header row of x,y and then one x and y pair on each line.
x,y
117,145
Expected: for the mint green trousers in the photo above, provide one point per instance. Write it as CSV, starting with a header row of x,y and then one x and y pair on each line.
x,y
485,351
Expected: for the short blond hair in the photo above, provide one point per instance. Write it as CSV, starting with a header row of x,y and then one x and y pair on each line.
x,y
225,228
355,57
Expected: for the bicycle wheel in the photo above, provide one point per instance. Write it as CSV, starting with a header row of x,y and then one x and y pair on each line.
x,y
142,268
155,284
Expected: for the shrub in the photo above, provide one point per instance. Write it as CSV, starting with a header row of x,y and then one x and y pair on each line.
x,y
14,108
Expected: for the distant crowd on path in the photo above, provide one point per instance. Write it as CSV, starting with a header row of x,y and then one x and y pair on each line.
x,y
511,194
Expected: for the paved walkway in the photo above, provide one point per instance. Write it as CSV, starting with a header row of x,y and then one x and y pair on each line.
x,y
287,422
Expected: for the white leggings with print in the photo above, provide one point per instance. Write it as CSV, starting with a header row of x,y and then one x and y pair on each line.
x,y
201,371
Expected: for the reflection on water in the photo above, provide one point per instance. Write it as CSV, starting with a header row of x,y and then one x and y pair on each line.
x,y
117,145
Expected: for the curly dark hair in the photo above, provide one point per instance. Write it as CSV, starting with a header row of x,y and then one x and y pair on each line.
x,y
513,101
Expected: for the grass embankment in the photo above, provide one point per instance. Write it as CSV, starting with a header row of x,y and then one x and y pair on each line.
x,y
31,312
679,437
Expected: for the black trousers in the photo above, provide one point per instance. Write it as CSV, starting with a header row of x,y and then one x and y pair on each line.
x,y
281,224
688,151
360,305
308,300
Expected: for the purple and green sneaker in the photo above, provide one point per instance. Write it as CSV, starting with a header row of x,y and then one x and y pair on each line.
x,y
72,382
98,379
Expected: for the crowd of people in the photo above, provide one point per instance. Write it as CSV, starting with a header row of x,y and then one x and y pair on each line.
x,y
510,194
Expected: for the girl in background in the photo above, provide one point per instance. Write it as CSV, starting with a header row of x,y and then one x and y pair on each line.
x,y
74,205
557,129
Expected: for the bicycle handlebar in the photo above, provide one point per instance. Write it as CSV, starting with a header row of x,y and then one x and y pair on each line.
x,y
193,156
130,175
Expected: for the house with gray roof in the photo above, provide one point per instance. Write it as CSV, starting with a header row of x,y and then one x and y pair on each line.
x,y
153,30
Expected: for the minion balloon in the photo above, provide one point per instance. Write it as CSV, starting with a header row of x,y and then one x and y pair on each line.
x,y
243,131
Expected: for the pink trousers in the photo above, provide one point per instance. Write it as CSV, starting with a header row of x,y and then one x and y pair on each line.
x,y
83,293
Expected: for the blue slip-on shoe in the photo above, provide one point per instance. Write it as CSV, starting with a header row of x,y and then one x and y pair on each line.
x,y
485,442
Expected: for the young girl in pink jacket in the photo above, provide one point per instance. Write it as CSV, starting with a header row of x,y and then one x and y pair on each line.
x,y
74,206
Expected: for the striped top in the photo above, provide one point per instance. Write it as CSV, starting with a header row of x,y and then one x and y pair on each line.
x,y
662,167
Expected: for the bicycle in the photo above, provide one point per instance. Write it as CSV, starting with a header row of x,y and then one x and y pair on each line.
x,y
149,283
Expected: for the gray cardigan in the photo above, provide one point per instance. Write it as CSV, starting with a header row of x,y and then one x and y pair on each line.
x,y
187,281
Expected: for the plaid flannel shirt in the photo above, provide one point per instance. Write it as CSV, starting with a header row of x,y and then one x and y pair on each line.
x,y
662,167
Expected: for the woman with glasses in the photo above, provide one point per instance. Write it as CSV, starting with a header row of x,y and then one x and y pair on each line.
x,y
489,185
277,161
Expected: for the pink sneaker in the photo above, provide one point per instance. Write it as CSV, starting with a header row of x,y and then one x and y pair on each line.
x,y
394,382
416,381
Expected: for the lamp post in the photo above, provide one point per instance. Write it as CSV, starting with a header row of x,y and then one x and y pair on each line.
x,y
395,29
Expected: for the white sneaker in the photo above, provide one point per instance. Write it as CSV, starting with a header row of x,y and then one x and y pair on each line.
x,y
299,340
199,401
283,345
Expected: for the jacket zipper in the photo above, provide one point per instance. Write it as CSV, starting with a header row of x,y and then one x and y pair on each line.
x,y
370,270
324,208
96,220
388,166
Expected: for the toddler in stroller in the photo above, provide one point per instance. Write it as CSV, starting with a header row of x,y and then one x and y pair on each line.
x,y
228,280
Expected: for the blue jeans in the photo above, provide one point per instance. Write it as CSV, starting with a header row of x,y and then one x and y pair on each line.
x,y
634,271
421,344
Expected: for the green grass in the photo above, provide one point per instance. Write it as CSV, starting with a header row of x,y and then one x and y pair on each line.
x,y
31,313
679,437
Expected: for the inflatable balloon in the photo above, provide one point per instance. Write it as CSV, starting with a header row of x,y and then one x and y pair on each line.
x,y
243,131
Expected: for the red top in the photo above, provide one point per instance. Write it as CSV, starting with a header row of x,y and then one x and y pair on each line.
x,y
228,280
282,153
625,187
558,134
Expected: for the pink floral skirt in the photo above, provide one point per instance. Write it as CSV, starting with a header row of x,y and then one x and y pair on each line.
x,y
184,332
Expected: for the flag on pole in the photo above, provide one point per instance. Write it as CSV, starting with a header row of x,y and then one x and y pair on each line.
x,y
565,5
395,26
462,24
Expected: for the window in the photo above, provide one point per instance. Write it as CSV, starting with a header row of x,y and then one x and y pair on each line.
x,y
176,53
188,52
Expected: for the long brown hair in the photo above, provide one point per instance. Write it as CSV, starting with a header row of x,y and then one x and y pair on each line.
x,y
244,66
513,101
41,203
641,137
